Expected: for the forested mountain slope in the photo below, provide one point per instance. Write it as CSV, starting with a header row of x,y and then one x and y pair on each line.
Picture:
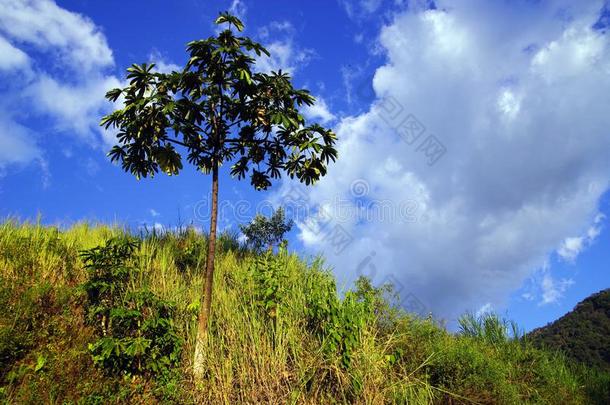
x,y
583,333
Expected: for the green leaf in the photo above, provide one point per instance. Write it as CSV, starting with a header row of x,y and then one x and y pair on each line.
x,y
40,362
225,18
113,94
244,74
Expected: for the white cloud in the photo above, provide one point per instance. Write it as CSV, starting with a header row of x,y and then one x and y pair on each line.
x,y
518,97
553,290
571,247
528,296
285,53
358,9
285,56
16,146
284,27
50,28
162,64
484,310
75,107
238,8
578,49
509,104
154,213
92,167
349,75
319,111
55,66
12,58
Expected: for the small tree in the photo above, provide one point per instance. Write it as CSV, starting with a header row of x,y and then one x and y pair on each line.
x,y
218,110
266,232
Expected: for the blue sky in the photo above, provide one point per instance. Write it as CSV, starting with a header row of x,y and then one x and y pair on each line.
x,y
508,213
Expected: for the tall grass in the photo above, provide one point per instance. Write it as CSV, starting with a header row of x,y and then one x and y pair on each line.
x,y
250,357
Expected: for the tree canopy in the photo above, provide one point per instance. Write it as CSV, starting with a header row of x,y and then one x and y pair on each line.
x,y
266,232
218,109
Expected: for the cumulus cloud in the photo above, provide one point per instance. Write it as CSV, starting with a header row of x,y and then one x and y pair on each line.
x,y
319,111
50,28
80,104
162,64
571,247
12,58
285,53
55,65
486,147
278,37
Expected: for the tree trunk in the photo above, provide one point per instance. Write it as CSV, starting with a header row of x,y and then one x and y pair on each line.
x,y
206,308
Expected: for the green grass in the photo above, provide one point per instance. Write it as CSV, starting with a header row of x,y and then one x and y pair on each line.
x,y
293,354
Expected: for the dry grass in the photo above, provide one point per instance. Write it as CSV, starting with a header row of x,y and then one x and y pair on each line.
x,y
247,361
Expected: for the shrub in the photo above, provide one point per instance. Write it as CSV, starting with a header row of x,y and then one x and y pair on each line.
x,y
190,250
268,275
135,328
337,323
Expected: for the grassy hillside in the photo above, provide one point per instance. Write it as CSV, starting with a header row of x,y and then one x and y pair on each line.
x,y
279,334
583,333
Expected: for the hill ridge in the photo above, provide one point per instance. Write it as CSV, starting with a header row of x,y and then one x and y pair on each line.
x,y
583,333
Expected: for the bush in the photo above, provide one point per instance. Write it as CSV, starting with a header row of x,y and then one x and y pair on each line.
x,y
337,323
190,251
268,275
135,328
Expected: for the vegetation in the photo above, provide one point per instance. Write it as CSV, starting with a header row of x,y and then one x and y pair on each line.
x,y
218,110
280,333
135,327
582,334
266,232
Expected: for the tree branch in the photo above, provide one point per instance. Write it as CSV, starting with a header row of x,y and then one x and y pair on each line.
x,y
186,145
235,123
259,141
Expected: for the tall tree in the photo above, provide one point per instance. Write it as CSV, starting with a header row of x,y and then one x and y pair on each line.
x,y
218,110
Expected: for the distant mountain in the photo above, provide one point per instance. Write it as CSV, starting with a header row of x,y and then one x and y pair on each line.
x,y
582,334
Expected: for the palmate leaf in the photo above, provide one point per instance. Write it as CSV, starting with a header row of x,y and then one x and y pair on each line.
x,y
137,346
256,47
225,18
218,110
113,94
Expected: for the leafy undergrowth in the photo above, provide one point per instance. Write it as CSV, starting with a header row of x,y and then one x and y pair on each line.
x,y
116,325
